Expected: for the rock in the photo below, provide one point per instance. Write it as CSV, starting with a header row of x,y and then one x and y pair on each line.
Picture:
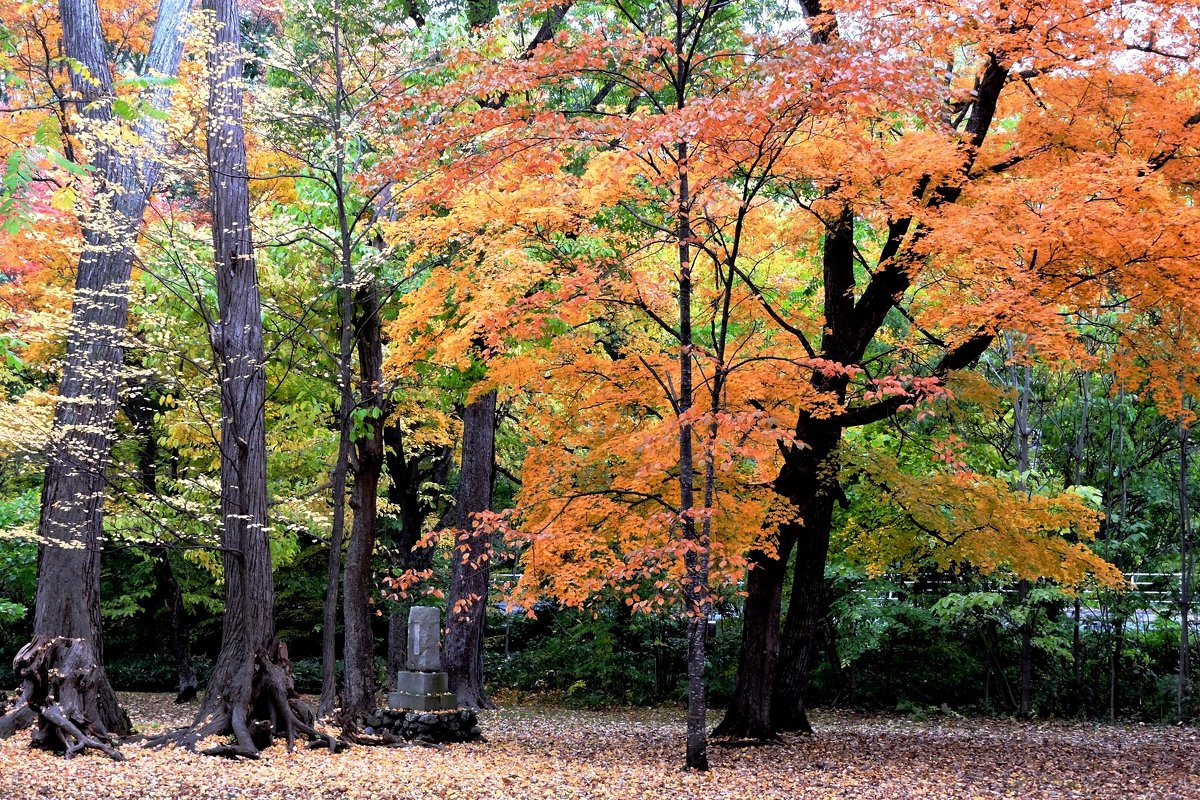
x,y
427,719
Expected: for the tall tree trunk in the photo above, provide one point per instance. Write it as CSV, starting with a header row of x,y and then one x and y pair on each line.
x,y
807,479
180,632
61,668
467,600
346,400
251,694
1186,562
1023,445
695,560
333,571
358,685
1025,682
1081,440
851,324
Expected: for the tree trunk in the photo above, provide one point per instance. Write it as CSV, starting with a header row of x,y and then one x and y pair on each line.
x,y
467,600
1081,440
764,676
695,559
333,571
1023,445
748,715
1185,578
180,632
67,606
806,609
251,694
358,684
1025,684
140,412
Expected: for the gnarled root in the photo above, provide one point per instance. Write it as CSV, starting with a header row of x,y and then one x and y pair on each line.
x,y
253,701
64,692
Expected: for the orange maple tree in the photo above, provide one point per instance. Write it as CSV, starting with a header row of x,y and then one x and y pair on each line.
x,y
849,211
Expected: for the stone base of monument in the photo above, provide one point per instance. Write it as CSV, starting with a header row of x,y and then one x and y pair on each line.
x,y
431,727
422,691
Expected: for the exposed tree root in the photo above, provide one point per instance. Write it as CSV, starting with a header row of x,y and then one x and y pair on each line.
x,y
740,727
63,692
254,701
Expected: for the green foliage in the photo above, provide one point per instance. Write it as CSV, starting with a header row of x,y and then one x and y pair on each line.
x,y
612,658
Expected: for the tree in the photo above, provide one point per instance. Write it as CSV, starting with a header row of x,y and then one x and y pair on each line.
x,y
250,694
343,86
63,679
1016,64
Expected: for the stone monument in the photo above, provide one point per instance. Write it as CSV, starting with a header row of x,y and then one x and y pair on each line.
x,y
422,686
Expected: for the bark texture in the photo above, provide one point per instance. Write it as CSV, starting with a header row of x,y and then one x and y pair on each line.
x,y
358,686
251,694
67,607
466,602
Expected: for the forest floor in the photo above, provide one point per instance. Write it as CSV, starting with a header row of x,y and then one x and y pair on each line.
x,y
534,752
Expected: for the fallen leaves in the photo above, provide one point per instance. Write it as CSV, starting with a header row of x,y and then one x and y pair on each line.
x,y
551,753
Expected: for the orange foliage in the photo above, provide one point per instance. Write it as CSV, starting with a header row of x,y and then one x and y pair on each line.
x,y
558,225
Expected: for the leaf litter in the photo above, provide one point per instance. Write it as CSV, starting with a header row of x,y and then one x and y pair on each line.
x,y
536,752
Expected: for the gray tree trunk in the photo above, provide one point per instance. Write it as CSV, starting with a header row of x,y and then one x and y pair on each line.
x,y
1186,564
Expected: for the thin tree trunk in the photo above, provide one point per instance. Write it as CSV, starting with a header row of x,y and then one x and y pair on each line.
x,y
1185,578
695,557
177,623
66,636
333,570
1025,684
358,685
1022,444
1081,439
346,401
467,600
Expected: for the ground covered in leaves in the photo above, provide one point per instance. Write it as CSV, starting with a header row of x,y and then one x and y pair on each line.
x,y
553,753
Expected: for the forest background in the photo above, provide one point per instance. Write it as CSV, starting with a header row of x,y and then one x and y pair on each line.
x,y
806,353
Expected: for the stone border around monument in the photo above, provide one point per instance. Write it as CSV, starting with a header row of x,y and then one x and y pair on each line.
x,y
437,727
